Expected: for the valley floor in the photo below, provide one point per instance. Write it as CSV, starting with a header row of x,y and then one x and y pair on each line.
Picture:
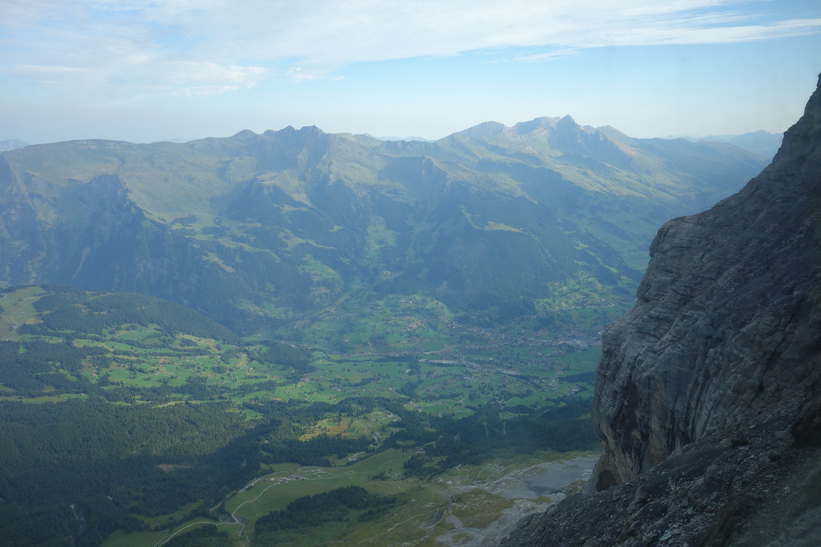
x,y
466,506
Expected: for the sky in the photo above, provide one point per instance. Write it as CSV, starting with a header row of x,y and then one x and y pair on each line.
x,y
149,70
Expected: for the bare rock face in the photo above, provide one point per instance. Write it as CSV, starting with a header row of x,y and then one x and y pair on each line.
x,y
708,396
726,330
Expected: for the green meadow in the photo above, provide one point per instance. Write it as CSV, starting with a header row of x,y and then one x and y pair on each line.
x,y
402,398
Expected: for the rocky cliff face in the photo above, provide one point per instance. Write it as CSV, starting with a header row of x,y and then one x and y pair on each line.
x,y
708,397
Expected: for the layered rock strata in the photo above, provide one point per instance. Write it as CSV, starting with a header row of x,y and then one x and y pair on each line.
x,y
708,395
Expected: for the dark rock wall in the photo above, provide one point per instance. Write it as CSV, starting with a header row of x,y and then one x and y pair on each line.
x,y
708,394
728,320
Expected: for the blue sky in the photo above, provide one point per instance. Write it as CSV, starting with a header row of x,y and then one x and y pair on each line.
x,y
141,70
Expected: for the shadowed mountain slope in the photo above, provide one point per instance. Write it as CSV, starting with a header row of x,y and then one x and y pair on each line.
x,y
256,230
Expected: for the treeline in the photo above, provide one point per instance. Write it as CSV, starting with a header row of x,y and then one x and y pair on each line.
x,y
487,310
70,309
89,467
112,463
33,367
312,452
311,511
485,435
204,536
564,429
286,355
73,472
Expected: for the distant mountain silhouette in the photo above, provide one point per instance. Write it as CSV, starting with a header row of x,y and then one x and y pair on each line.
x,y
12,144
256,227
763,143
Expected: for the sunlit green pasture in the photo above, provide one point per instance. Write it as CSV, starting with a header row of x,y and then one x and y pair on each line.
x,y
407,347
283,484
18,308
526,372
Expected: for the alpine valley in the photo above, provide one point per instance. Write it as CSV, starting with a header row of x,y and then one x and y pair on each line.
x,y
306,338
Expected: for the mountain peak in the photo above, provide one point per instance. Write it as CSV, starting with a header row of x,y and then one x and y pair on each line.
x,y
485,129
567,121
246,135
802,138
544,122
311,130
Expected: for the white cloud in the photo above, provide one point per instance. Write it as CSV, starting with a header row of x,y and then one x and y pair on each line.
x,y
214,46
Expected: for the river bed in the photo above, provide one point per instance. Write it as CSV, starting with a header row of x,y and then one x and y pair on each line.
x,y
531,489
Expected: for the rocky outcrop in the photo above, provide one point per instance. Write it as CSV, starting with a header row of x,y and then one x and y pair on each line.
x,y
708,396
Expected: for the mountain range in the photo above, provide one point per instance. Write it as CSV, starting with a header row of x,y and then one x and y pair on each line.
x,y
763,143
257,230
11,144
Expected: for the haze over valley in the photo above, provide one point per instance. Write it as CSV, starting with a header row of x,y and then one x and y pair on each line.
x,y
230,316
327,298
